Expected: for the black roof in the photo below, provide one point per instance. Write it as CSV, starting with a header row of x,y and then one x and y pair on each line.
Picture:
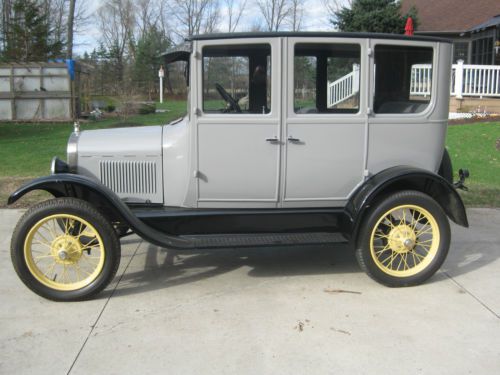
x,y
315,34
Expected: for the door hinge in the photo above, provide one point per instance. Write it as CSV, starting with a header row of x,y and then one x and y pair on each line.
x,y
196,111
366,173
196,174
369,51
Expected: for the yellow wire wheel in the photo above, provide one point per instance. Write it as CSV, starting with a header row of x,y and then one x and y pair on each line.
x,y
404,239
64,249
64,252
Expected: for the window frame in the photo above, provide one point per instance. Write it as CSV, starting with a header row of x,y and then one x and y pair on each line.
x,y
275,47
290,80
435,61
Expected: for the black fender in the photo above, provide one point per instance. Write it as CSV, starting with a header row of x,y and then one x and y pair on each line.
x,y
402,178
77,186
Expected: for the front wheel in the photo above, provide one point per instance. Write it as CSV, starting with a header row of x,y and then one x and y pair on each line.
x,y
65,250
404,239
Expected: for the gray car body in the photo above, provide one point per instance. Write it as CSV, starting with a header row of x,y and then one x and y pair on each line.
x,y
223,160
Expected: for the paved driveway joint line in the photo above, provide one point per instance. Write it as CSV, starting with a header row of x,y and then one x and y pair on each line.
x,y
472,295
103,308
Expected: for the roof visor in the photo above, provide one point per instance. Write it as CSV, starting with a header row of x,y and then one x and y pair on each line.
x,y
180,52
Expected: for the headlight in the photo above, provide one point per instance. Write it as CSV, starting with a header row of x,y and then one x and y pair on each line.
x,y
58,166
72,151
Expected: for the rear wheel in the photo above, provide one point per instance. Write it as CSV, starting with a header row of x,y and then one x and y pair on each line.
x,y
404,239
65,250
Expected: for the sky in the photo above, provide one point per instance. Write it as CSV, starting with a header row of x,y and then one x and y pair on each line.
x,y
315,19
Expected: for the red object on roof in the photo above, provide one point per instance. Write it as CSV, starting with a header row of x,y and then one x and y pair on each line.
x,y
409,27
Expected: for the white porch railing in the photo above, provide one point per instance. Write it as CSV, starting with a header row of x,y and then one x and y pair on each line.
x,y
466,80
343,88
421,79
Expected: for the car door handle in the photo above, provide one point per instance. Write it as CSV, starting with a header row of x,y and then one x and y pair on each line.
x,y
272,140
292,139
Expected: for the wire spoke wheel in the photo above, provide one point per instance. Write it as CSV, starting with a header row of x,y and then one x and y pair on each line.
x,y
64,252
404,240
64,249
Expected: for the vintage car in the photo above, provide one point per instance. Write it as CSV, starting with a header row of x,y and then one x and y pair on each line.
x,y
289,139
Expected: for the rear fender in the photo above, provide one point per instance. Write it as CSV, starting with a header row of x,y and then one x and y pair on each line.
x,y
403,178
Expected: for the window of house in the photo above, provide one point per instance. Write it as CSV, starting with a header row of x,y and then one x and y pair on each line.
x,y
482,51
403,79
237,79
460,51
326,78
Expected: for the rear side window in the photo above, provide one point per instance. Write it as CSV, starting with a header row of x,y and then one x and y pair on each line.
x,y
403,79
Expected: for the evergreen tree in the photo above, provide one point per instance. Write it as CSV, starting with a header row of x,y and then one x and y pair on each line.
x,y
147,55
29,37
381,16
147,59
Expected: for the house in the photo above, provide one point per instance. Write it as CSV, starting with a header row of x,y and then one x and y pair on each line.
x,y
473,25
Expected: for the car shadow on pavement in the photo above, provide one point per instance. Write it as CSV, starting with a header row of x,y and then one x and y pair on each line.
x,y
166,268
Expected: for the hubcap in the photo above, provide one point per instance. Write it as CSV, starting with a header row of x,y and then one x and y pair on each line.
x,y
402,238
405,240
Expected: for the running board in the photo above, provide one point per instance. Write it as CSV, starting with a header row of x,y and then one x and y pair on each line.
x,y
257,240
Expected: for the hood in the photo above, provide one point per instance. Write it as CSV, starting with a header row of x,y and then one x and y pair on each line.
x,y
142,141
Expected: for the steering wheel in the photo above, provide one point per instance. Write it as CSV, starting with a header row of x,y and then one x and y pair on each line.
x,y
233,104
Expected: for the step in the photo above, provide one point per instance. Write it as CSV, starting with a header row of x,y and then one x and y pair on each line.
x,y
268,239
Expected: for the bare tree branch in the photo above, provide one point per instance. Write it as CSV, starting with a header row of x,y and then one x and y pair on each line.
x,y
274,12
233,14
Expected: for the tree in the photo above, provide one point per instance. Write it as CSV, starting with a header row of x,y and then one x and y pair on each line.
x,y
275,12
382,16
296,14
117,21
194,16
234,14
28,36
71,18
147,58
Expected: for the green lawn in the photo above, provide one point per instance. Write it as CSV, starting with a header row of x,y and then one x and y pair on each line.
x,y
477,148
26,151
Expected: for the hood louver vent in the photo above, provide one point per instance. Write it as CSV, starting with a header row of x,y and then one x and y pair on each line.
x,y
129,177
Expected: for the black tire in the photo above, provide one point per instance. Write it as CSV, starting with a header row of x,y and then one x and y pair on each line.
x,y
384,242
104,235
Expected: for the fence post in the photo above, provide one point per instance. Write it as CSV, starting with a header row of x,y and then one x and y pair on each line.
x,y
459,79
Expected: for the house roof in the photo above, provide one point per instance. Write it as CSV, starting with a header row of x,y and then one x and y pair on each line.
x,y
452,15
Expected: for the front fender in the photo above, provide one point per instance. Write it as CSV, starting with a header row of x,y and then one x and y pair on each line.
x,y
72,185
404,178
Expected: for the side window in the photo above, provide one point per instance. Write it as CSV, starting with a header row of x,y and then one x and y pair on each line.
x,y
237,79
403,79
326,78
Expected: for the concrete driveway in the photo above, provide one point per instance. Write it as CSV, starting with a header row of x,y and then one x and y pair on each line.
x,y
304,310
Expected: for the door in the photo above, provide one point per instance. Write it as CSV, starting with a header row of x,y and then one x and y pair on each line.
x,y
238,122
325,122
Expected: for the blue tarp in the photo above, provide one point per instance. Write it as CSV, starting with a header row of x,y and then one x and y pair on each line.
x,y
70,65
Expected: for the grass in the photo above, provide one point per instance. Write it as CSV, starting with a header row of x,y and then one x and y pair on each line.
x,y
26,151
477,148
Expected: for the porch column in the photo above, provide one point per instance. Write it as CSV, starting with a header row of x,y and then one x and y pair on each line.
x,y
459,78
